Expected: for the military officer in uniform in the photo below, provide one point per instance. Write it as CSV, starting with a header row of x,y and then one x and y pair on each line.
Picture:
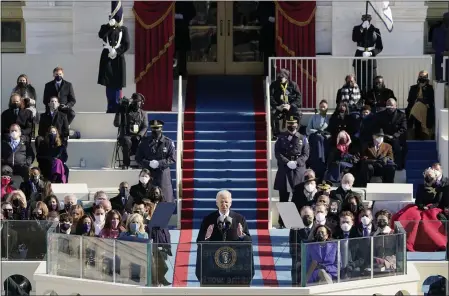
x,y
156,153
291,151
369,44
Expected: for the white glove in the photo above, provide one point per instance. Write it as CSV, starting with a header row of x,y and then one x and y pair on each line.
x,y
112,54
112,22
154,164
367,54
179,16
365,25
292,164
271,19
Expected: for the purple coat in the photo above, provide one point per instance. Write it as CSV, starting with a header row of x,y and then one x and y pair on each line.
x,y
326,256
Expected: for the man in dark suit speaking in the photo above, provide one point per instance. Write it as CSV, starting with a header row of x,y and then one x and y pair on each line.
x,y
224,224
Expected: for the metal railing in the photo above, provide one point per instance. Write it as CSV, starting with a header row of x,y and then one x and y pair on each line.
x,y
268,123
321,77
179,136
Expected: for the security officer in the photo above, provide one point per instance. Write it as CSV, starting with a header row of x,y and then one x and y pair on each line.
x,y
369,44
157,153
133,124
285,100
291,151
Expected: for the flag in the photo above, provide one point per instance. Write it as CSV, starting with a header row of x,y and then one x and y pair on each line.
x,y
383,11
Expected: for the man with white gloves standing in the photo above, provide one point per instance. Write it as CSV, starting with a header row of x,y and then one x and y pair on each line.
x,y
369,44
291,151
112,69
184,14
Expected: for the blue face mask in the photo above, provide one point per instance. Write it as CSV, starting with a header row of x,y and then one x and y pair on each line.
x,y
133,227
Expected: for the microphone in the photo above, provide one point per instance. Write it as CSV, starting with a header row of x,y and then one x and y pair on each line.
x,y
220,223
228,222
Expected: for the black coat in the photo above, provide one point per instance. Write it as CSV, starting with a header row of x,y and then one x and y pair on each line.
x,y
162,150
365,127
367,39
392,124
45,155
138,192
211,219
428,99
377,98
30,194
265,10
299,198
132,118
340,195
182,34
66,94
58,120
427,195
23,156
26,92
9,240
292,91
112,73
338,124
117,202
24,119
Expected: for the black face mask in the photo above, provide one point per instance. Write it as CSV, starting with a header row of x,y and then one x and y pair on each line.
x,y
291,128
37,216
422,80
124,192
428,179
67,206
319,237
7,214
307,220
391,110
379,85
21,84
381,223
156,133
14,105
353,208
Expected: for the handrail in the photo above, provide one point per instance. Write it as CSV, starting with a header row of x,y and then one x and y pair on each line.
x,y
443,65
268,124
179,137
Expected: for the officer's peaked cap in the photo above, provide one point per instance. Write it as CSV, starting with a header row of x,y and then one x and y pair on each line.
x,y
156,123
293,119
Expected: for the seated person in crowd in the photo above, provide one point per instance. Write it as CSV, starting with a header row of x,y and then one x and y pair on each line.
x,y
7,181
24,88
19,205
99,196
65,224
52,117
52,156
133,124
296,237
76,211
384,244
364,127
442,181
69,201
285,100
377,160
99,216
350,94
17,153
134,227
85,226
345,189
346,230
353,204
123,202
17,114
112,225
377,97
35,188
321,212
321,257
365,226
318,139
291,151
304,194
420,110
394,124
340,121
7,213
142,189
343,157
63,90
52,203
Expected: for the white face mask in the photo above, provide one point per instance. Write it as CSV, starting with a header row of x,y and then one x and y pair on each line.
x,y
345,187
14,135
144,180
310,187
99,218
365,220
346,227
320,218
283,80
379,140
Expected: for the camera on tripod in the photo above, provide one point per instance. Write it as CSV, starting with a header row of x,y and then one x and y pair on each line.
x,y
124,104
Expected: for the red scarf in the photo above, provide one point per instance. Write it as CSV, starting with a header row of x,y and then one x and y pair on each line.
x,y
343,142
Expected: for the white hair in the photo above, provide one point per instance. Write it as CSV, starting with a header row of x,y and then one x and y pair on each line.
x,y
70,196
392,101
100,193
224,193
430,172
348,177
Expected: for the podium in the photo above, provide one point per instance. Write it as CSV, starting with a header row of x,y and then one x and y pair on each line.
x,y
227,264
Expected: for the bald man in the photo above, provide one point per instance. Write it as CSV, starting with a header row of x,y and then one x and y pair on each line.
x,y
234,224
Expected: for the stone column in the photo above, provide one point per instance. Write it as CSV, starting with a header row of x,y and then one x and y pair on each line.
x,y
407,38
49,27
323,27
